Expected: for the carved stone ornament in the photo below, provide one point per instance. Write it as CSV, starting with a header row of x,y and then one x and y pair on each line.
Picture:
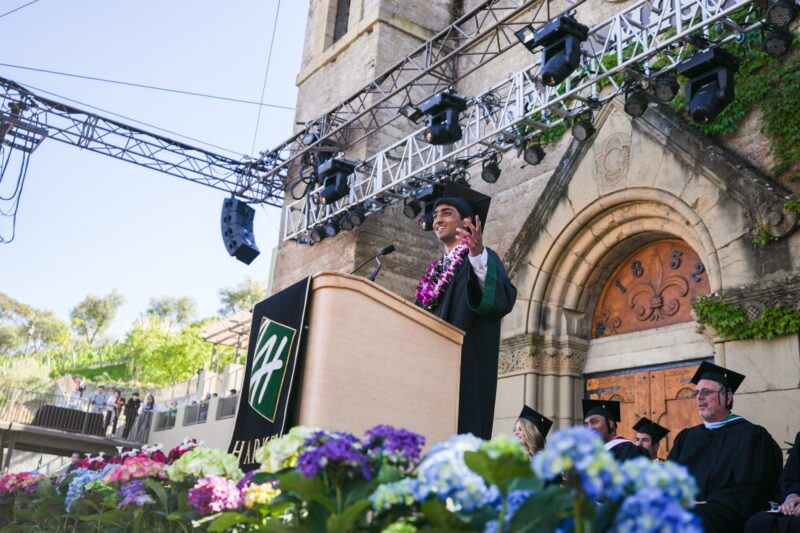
x,y
651,288
517,354
612,159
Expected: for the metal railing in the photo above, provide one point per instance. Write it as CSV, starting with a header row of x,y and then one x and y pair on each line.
x,y
226,407
73,415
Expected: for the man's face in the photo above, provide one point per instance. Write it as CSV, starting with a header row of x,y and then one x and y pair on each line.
x,y
710,401
646,441
446,220
101,390
599,425
75,459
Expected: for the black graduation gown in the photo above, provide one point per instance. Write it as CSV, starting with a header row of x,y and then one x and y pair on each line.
x,y
789,483
478,313
628,450
736,468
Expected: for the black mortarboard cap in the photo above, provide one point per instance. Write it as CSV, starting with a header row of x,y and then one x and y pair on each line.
x,y
469,202
606,408
542,423
723,376
648,427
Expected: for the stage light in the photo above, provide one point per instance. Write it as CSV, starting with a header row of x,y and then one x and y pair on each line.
x,y
781,13
356,216
411,112
491,170
443,110
666,88
526,36
411,209
777,43
560,40
310,138
425,222
333,175
317,234
711,83
533,154
331,228
582,129
636,102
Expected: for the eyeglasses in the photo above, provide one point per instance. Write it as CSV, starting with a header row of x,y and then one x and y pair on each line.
x,y
704,393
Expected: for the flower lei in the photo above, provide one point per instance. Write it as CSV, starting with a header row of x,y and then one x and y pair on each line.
x,y
434,283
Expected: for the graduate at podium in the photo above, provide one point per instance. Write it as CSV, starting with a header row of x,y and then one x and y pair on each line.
x,y
469,288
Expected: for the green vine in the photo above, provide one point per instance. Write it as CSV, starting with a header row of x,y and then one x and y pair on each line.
x,y
772,84
732,323
763,236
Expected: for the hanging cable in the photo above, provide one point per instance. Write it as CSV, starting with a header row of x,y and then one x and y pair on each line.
x,y
131,119
266,74
144,86
18,8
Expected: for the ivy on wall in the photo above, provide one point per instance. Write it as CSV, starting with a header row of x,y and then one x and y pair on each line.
x,y
772,84
731,322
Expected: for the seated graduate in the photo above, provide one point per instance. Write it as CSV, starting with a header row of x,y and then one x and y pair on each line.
x,y
470,289
531,430
787,518
602,416
648,436
735,463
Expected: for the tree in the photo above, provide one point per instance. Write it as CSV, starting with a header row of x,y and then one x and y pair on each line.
x,y
25,329
162,356
248,293
181,309
92,316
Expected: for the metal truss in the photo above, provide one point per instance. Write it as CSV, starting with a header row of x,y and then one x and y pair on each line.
x,y
634,46
26,119
466,45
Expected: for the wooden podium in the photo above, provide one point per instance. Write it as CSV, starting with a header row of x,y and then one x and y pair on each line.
x,y
372,358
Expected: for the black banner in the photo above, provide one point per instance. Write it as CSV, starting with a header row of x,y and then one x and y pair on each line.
x,y
273,355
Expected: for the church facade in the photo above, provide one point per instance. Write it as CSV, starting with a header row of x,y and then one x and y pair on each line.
x,y
608,241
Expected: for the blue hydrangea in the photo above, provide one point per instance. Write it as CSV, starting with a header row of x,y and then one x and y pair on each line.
x,y
444,475
672,478
653,510
515,499
84,476
579,451
390,495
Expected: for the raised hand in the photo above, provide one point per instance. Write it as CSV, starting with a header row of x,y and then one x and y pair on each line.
x,y
472,234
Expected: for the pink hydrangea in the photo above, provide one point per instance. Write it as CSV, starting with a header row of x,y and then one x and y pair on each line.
x,y
23,481
213,494
137,467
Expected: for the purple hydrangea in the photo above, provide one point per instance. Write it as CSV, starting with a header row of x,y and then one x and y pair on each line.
x,y
242,484
333,449
133,493
213,494
400,446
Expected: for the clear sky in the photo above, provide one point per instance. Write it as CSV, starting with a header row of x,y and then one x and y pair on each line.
x,y
88,223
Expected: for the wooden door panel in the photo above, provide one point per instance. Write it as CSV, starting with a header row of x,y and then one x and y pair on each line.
x,y
661,395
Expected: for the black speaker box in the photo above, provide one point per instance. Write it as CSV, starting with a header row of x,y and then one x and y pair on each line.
x,y
237,230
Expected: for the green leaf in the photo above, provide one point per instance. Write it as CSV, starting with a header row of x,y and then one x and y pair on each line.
x,y
159,491
226,520
306,488
441,517
500,471
115,518
347,519
542,511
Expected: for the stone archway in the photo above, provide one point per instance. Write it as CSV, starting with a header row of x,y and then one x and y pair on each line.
x,y
638,181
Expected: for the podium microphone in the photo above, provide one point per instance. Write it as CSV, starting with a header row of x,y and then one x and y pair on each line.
x,y
374,274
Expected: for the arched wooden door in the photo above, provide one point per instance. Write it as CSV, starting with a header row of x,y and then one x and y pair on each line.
x,y
651,288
